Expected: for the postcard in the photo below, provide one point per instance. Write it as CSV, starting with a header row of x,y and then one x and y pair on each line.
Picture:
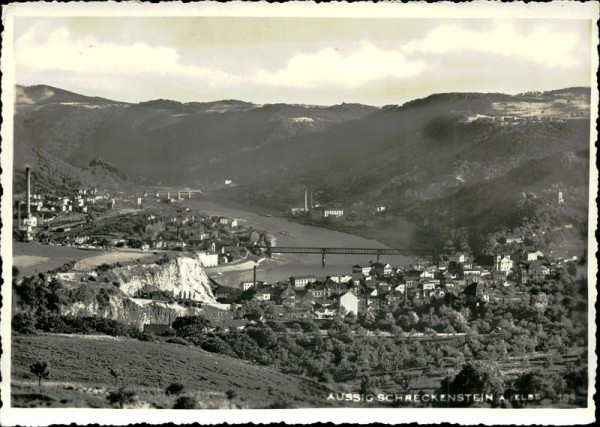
x,y
299,212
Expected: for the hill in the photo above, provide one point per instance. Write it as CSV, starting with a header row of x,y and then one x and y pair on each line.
x,y
80,375
457,164
202,142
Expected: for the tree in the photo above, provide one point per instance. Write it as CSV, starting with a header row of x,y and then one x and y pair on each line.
x,y
185,402
121,397
40,370
475,377
174,388
191,326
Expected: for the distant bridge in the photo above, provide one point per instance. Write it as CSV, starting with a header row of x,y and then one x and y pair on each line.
x,y
180,194
324,251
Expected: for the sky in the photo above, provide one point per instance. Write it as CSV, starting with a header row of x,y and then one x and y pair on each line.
x,y
325,61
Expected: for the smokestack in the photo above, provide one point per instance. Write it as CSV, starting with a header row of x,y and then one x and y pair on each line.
x,y
311,200
305,199
254,280
28,177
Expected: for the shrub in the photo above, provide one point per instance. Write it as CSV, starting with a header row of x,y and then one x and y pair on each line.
x,y
178,340
215,345
66,267
121,397
143,336
103,267
23,323
174,388
185,402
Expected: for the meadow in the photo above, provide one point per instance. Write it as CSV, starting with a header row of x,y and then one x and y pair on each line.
x,y
85,369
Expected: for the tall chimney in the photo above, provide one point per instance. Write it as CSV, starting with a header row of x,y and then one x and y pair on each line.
x,y
305,199
28,177
254,279
311,199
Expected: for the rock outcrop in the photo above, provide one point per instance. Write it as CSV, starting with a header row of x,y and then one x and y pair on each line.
x,y
115,293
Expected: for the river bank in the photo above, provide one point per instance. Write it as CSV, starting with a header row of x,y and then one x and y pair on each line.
x,y
395,232
242,265
291,233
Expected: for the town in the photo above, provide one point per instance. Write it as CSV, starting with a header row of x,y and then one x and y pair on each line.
x,y
154,223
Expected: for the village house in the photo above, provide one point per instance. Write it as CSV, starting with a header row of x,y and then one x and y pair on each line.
x,y
503,264
349,302
321,213
316,290
357,278
534,256
300,282
263,294
340,278
208,259
428,273
381,269
363,268
244,286
472,275
400,287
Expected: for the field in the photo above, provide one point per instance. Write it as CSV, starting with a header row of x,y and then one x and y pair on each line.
x,y
111,257
32,258
80,375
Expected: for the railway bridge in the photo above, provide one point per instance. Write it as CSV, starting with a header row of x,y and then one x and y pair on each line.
x,y
378,252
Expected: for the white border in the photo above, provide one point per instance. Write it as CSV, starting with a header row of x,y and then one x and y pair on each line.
x,y
478,9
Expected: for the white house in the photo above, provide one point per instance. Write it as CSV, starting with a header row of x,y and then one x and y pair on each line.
x,y
350,302
208,259
340,278
299,282
244,286
503,264
533,256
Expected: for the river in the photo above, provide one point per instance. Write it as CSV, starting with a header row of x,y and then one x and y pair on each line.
x,y
282,266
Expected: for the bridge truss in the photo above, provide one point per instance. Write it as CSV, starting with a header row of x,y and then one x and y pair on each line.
x,y
325,251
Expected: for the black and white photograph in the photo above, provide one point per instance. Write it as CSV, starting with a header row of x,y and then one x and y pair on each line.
x,y
383,211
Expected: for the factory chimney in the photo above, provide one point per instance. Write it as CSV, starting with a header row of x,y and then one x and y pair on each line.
x,y
28,177
254,278
305,199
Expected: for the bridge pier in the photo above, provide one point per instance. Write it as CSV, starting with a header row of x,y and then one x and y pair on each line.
x,y
323,258
378,254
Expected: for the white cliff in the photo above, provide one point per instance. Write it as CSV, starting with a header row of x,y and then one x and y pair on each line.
x,y
112,295
184,276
